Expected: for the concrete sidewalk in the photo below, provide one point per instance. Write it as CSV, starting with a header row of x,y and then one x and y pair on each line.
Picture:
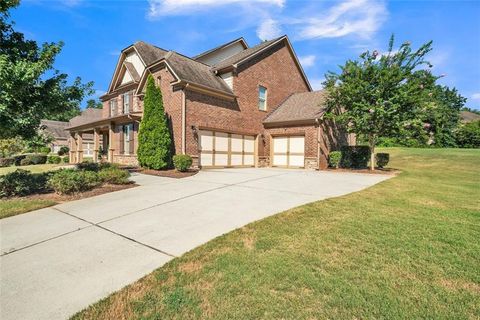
x,y
56,261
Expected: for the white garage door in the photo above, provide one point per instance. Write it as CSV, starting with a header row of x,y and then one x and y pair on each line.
x,y
221,149
289,151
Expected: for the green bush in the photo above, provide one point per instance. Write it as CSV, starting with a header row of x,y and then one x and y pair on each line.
x,y
18,158
355,157
114,175
94,166
9,147
37,158
63,150
468,135
45,150
382,159
6,162
182,162
154,140
25,162
54,159
67,181
22,183
334,159
65,159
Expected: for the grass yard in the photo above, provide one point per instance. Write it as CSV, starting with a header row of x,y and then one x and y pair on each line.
x,y
407,248
12,207
38,168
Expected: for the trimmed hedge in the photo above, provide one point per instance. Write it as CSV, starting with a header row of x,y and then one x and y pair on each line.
x,y
25,162
334,159
182,162
63,150
94,166
18,158
68,181
382,159
355,157
65,159
22,183
114,175
37,158
45,150
54,159
6,162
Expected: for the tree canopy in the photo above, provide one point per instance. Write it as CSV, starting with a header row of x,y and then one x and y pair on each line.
x,y
94,104
391,95
31,88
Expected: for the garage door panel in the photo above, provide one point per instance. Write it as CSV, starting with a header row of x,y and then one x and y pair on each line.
x,y
249,160
289,151
280,144
236,143
249,144
279,160
206,159
296,161
297,144
206,140
221,141
221,159
236,160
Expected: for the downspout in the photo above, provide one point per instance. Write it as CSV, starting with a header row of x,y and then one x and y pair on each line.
x,y
317,122
184,120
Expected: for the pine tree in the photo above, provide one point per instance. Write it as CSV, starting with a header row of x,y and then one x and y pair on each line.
x,y
154,140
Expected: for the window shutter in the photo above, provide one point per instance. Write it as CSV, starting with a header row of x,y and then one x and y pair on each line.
x,y
131,142
130,105
121,133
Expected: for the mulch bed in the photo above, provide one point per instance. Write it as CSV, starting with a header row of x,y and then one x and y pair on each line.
x,y
171,173
366,171
106,188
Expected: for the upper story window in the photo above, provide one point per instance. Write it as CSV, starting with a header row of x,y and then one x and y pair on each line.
x,y
126,102
262,98
113,107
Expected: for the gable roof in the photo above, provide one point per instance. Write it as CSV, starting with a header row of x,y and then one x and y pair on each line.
x,y
55,128
87,116
239,40
467,116
298,107
149,53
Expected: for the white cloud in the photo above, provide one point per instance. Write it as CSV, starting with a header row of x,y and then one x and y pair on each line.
x,y
317,83
475,96
184,7
358,17
269,29
307,61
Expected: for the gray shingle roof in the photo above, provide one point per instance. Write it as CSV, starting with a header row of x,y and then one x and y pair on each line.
x,y
196,72
467,116
299,106
55,128
149,53
87,116
243,54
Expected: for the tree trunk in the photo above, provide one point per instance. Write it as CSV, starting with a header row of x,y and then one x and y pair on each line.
x,y
371,143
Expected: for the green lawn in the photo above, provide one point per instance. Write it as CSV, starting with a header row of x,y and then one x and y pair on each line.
x,y
38,168
407,248
16,206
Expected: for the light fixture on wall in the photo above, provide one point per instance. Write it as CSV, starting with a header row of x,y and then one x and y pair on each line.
x,y
262,136
195,131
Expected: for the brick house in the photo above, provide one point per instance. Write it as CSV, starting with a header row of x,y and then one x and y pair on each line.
x,y
232,106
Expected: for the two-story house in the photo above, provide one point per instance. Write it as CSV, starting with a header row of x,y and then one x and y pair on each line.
x,y
231,106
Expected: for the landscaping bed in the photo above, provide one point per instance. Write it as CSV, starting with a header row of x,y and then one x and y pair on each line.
x,y
171,173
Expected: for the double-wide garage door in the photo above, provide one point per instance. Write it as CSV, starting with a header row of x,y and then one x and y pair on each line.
x,y
221,149
289,151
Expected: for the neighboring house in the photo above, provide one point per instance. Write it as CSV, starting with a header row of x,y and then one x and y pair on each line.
x,y
61,136
467,116
232,106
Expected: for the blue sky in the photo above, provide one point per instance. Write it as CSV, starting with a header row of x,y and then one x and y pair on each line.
x,y
324,33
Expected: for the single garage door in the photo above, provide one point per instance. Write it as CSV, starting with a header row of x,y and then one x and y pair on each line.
x,y
289,151
221,149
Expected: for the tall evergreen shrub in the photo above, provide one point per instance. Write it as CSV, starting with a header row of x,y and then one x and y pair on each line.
x,y
154,140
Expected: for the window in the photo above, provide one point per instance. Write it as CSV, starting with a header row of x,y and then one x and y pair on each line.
x,y
113,107
127,137
262,98
126,102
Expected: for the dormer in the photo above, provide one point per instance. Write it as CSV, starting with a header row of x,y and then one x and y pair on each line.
x,y
223,52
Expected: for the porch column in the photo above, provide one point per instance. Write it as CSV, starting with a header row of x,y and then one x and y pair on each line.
x,y
111,133
72,152
79,147
96,143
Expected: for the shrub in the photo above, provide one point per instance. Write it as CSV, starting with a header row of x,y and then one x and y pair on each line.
x,y
9,147
94,166
355,157
468,135
382,159
25,162
114,175
65,159
182,162
37,158
17,158
334,159
6,162
45,150
22,183
54,159
154,140
67,181
63,150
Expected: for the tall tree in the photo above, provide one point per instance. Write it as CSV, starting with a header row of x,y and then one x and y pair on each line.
x,y
94,104
31,88
154,140
382,95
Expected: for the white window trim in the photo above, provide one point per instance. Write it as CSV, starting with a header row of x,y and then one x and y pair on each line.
x,y
264,100
127,136
112,107
126,103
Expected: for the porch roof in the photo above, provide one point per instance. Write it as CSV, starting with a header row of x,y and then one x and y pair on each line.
x,y
104,121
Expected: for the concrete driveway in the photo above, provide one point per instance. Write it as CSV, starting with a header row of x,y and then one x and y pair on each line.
x,y
56,261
